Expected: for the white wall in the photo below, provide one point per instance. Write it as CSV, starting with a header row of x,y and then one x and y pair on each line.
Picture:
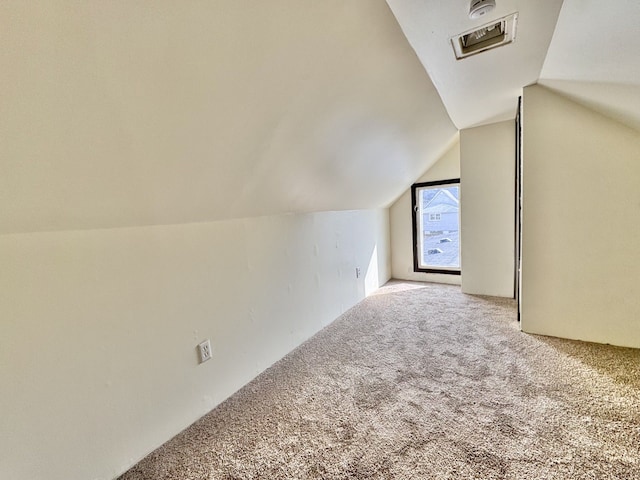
x,y
447,167
581,222
487,168
99,327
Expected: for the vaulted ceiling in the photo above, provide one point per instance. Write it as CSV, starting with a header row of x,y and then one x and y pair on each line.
x,y
482,88
584,49
594,57
140,113
134,113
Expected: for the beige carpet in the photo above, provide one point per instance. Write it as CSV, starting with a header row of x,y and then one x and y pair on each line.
x,y
421,382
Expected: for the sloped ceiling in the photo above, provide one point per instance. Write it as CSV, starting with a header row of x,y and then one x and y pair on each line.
x,y
594,57
483,88
583,49
138,113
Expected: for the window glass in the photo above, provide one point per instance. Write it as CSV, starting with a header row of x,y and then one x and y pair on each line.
x,y
436,222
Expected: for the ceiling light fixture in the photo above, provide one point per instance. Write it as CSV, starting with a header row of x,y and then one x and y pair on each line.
x,y
479,8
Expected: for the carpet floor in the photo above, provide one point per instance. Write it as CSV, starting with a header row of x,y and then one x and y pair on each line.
x,y
422,382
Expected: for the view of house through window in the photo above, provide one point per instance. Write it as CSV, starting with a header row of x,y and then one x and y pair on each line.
x,y
436,226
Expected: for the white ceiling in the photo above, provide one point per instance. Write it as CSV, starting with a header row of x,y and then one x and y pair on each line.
x,y
119,114
586,50
594,57
139,113
483,88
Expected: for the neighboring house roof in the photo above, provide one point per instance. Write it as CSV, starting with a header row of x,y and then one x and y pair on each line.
x,y
442,197
441,208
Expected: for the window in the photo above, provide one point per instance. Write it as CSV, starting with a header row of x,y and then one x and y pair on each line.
x,y
436,226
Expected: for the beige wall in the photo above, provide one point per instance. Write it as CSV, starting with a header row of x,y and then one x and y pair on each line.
x,y
581,222
98,364
447,167
487,168
484,159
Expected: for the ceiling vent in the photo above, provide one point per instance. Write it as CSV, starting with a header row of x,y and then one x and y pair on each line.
x,y
495,34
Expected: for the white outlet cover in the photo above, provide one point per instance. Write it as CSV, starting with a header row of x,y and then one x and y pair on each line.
x,y
204,349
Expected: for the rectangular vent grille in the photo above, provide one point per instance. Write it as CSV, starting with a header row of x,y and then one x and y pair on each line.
x,y
495,34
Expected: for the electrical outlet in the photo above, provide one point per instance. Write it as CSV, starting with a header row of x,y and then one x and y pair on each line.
x,y
357,272
205,350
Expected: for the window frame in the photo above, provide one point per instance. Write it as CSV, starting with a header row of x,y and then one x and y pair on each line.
x,y
415,210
